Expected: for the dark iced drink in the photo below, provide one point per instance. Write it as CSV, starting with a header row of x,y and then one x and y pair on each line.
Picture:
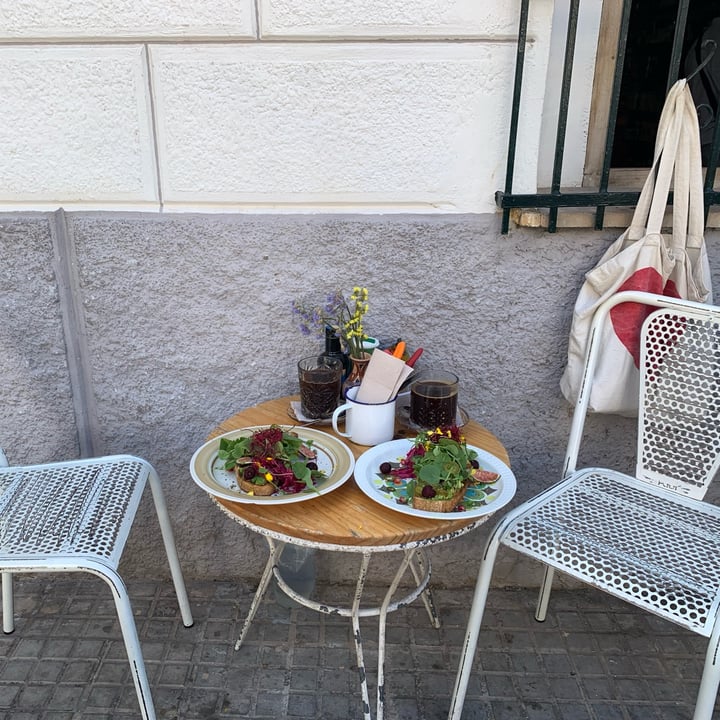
x,y
433,402
320,379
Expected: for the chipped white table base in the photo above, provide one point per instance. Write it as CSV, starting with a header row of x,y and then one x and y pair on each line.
x,y
414,561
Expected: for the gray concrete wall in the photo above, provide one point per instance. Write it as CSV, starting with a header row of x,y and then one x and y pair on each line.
x,y
139,333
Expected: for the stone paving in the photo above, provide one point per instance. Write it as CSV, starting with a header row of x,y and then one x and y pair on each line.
x,y
593,658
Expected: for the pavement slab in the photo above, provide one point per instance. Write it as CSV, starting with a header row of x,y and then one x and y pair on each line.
x,y
594,658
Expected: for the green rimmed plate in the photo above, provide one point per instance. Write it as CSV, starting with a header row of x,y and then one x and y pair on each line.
x,y
479,499
333,457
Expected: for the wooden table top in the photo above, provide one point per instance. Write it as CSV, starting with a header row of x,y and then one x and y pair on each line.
x,y
345,516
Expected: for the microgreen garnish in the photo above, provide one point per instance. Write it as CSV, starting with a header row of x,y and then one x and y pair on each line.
x,y
273,456
440,461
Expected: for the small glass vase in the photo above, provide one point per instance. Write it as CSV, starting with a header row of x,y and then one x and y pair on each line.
x,y
358,366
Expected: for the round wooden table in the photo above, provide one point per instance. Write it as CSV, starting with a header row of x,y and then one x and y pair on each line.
x,y
346,516
347,520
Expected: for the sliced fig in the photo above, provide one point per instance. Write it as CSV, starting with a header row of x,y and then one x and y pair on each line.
x,y
485,476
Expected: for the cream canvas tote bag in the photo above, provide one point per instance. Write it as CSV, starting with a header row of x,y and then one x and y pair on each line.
x,y
643,258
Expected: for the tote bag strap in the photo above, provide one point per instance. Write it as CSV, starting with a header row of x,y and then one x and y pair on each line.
x,y
696,219
657,183
666,167
688,210
681,186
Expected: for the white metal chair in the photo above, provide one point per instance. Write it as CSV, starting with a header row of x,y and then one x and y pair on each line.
x,y
76,516
648,539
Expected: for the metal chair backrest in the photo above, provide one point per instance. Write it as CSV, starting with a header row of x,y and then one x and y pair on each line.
x,y
679,409
679,405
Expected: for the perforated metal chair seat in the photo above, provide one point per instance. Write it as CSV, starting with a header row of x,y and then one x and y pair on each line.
x,y
655,550
76,516
82,509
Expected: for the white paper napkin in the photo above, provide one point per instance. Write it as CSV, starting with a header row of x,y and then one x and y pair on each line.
x,y
383,378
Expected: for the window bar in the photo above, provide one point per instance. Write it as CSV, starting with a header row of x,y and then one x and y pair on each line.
x,y
711,197
677,48
555,199
515,115
613,110
564,104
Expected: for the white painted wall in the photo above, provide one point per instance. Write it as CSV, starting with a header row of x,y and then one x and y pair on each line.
x,y
121,19
334,105
586,41
393,18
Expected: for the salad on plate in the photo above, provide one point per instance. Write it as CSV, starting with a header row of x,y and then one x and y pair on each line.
x,y
436,472
271,461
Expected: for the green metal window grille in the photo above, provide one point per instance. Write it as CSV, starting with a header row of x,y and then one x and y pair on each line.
x,y
603,197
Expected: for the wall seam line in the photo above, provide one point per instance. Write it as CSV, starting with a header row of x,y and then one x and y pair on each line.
x,y
154,124
258,23
279,39
75,334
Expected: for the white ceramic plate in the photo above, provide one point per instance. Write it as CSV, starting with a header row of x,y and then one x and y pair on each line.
x,y
333,456
479,499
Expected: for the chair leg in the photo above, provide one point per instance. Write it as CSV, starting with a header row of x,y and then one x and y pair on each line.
x,y
132,642
477,609
544,596
710,680
170,549
8,606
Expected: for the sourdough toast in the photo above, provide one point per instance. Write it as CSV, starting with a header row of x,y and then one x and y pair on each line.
x,y
434,505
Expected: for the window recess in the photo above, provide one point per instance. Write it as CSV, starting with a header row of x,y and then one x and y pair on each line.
x,y
644,47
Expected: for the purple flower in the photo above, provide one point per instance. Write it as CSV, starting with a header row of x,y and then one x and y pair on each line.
x,y
313,317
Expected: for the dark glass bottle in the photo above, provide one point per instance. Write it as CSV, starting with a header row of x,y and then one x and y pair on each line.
x,y
333,348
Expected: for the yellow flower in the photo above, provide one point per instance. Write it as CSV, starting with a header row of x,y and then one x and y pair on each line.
x,y
268,476
353,329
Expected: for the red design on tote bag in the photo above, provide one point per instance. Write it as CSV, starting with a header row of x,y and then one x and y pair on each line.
x,y
627,318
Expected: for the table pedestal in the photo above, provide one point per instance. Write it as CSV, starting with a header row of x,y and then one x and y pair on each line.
x,y
414,560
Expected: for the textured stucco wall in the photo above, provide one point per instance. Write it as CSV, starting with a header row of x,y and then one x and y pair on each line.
x,y
36,414
30,20
188,322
